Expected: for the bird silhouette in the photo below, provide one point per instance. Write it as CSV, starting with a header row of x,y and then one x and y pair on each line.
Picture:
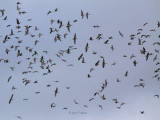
x,y
11,98
56,91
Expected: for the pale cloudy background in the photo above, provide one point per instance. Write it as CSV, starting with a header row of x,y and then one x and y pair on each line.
x,y
112,16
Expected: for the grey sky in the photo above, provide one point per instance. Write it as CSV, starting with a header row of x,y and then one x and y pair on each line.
x,y
113,16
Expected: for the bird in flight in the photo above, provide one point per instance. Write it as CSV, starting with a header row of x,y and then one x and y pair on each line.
x,y
9,78
156,96
53,105
11,98
158,24
75,102
82,14
120,34
126,74
2,11
75,38
19,117
87,14
100,107
68,26
55,92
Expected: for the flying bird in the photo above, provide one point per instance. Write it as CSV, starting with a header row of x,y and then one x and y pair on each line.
x,y
156,96
86,48
75,102
82,14
53,105
11,98
9,78
75,38
126,74
56,91
18,22
120,34
158,24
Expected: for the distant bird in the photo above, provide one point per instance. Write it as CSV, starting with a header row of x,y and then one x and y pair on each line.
x,y
89,76
147,55
103,97
96,26
135,62
37,92
124,56
86,48
65,35
68,87
40,34
120,34
75,102
11,33
65,108
2,11
158,24
106,42
119,107
118,80
11,98
97,63
126,74
112,48
122,103
156,96
52,21
132,56
87,14
145,24
56,91
115,100
85,106
68,26
9,78
114,63
82,14
12,68
18,22
56,10
35,43
75,20
100,107
53,105
19,117
143,51
51,30
91,69
5,18
18,3
103,63
13,88
80,56
155,58
91,99
141,85
48,85
49,12
75,38
29,19
25,99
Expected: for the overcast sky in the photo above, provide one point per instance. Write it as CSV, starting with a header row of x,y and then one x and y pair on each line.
x,y
112,16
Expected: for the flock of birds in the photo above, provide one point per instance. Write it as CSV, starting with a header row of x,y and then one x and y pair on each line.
x,y
37,58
